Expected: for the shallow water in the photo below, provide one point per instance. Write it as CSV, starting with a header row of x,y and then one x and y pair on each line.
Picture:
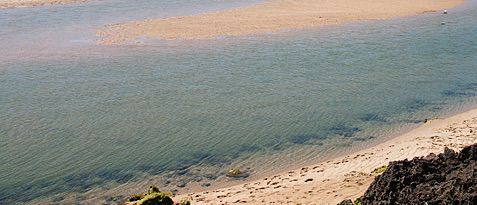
x,y
75,116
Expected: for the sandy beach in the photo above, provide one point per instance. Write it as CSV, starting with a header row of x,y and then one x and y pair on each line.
x,y
31,3
349,176
271,16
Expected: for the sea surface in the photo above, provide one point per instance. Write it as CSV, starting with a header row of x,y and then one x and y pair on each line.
x,y
75,116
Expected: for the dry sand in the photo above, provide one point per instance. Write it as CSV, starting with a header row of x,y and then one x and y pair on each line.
x,y
349,176
30,3
271,16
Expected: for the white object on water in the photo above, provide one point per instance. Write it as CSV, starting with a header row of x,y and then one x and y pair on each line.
x,y
445,11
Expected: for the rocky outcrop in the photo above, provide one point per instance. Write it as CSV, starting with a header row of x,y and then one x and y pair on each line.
x,y
447,178
153,197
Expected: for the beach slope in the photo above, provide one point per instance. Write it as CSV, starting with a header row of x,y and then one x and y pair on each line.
x,y
271,16
349,176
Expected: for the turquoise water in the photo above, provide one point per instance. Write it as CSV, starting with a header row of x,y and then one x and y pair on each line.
x,y
76,116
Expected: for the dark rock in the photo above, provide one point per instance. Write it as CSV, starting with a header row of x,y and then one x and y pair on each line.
x,y
449,154
210,176
152,189
157,199
181,184
182,172
448,178
152,197
308,180
431,156
198,179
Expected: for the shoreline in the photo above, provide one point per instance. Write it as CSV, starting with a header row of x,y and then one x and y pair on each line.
x,y
6,4
268,17
223,190
346,176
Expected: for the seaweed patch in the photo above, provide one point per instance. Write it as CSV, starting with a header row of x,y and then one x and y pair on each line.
x,y
344,130
415,104
305,138
372,117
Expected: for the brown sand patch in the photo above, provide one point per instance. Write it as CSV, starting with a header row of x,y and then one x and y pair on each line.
x,y
271,16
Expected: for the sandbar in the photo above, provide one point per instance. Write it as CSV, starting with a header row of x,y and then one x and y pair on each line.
x,y
270,16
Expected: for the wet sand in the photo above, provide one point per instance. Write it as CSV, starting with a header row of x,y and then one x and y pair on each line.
x,y
349,176
31,3
271,16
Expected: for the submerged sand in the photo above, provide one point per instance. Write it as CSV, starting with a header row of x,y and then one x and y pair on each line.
x,y
349,176
271,16
32,3
345,177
